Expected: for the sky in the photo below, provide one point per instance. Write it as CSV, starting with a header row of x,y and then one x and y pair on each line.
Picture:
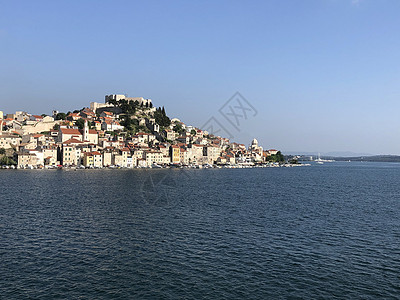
x,y
321,75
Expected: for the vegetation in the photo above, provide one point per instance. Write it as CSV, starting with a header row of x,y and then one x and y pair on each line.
x,y
178,127
61,116
5,160
128,107
161,117
80,123
2,151
193,132
278,157
144,129
131,125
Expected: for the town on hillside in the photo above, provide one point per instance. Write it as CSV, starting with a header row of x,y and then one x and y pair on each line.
x,y
122,132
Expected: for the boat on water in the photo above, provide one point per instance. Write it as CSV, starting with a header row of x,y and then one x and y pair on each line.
x,y
321,161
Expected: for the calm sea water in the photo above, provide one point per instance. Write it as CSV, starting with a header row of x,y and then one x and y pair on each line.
x,y
319,232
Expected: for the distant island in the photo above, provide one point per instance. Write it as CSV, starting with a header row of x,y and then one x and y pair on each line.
x,y
368,158
122,132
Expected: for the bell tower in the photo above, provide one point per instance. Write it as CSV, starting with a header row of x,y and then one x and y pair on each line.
x,y
86,131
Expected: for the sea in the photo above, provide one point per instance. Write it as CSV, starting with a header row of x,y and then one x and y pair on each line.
x,y
328,231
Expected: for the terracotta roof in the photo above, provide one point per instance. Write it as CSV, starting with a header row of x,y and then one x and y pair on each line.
x,y
73,131
72,141
70,131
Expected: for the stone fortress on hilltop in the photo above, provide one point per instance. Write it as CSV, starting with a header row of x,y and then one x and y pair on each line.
x,y
118,97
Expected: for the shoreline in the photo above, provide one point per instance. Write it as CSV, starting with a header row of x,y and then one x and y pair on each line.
x,y
287,165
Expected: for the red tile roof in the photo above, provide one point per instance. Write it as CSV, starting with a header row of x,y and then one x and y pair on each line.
x,y
70,131
72,141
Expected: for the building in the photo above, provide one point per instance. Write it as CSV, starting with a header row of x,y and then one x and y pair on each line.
x,y
93,160
121,159
273,151
184,158
195,153
153,157
169,135
94,106
111,125
119,97
30,159
84,135
71,153
175,154
8,141
254,147
211,153
50,155
107,158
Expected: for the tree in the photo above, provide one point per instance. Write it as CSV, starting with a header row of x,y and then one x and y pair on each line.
x,y
161,117
193,132
178,128
80,123
278,157
61,116
5,160
43,115
2,151
113,102
130,125
56,127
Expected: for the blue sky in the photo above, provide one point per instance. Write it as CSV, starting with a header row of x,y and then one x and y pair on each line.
x,y
323,75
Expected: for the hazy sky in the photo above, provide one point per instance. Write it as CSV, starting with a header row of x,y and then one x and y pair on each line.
x,y
323,75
